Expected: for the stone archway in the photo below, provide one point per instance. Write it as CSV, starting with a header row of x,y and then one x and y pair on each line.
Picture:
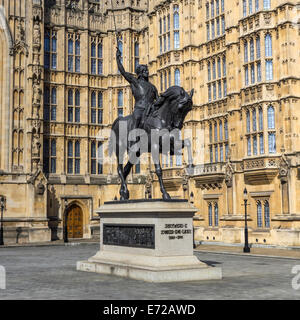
x,y
74,222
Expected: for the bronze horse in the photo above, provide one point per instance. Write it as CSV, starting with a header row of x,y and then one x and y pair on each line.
x,y
166,115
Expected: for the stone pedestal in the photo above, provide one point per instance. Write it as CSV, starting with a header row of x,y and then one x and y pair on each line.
x,y
150,240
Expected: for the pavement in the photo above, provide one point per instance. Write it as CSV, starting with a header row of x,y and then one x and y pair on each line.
x,y
267,252
49,272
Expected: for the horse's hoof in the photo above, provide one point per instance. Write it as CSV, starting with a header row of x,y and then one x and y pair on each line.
x,y
166,196
124,195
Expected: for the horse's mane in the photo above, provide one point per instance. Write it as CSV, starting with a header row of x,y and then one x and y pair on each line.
x,y
169,95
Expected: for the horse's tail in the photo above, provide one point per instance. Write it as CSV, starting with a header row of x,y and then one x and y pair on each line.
x,y
112,139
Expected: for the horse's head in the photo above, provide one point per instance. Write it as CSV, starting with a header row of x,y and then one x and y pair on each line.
x,y
179,103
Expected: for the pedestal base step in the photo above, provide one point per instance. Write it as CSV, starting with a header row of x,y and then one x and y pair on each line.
x,y
172,274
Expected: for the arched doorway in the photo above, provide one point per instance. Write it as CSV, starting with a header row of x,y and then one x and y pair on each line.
x,y
75,222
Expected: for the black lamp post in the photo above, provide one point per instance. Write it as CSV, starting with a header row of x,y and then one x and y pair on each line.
x,y
2,205
246,247
65,221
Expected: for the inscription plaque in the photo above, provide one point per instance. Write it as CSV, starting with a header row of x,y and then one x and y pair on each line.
x,y
129,235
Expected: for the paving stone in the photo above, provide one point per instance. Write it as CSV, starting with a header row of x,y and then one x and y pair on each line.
x,y
49,272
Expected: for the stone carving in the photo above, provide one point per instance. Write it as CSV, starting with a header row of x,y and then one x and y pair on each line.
x,y
36,74
20,34
229,170
141,236
73,5
36,145
37,92
37,35
284,167
40,188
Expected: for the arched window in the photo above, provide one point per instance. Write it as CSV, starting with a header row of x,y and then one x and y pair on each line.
x,y
93,105
212,7
244,8
248,121
53,104
177,77
214,69
208,71
70,97
246,76
267,214
259,215
255,145
70,157
268,45
258,47
261,119
47,49
70,55
251,49
77,157
223,24
93,157
271,118
267,4
93,50
46,103
77,98
77,106
120,98
53,95
220,131
53,156
224,66
256,5
120,103
100,108
219,67
207,10
93,99
245,51
226,129
249,146
221,153
100,158
268,54
93,58
272,142
210,133
77,55
136,55
261,144
210,222
216,131
250,6
254,126
100,58
120,46
216,153
216,215
176,26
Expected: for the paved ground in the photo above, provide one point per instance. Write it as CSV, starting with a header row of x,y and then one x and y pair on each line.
x,y
49,273
270,252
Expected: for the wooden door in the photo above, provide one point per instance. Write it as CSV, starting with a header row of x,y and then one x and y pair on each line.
x,y
75,222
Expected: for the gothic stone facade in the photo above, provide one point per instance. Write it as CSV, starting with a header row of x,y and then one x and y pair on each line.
x,y
60,90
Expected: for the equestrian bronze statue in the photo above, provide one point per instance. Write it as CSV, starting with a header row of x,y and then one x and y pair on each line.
x,y
156,120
